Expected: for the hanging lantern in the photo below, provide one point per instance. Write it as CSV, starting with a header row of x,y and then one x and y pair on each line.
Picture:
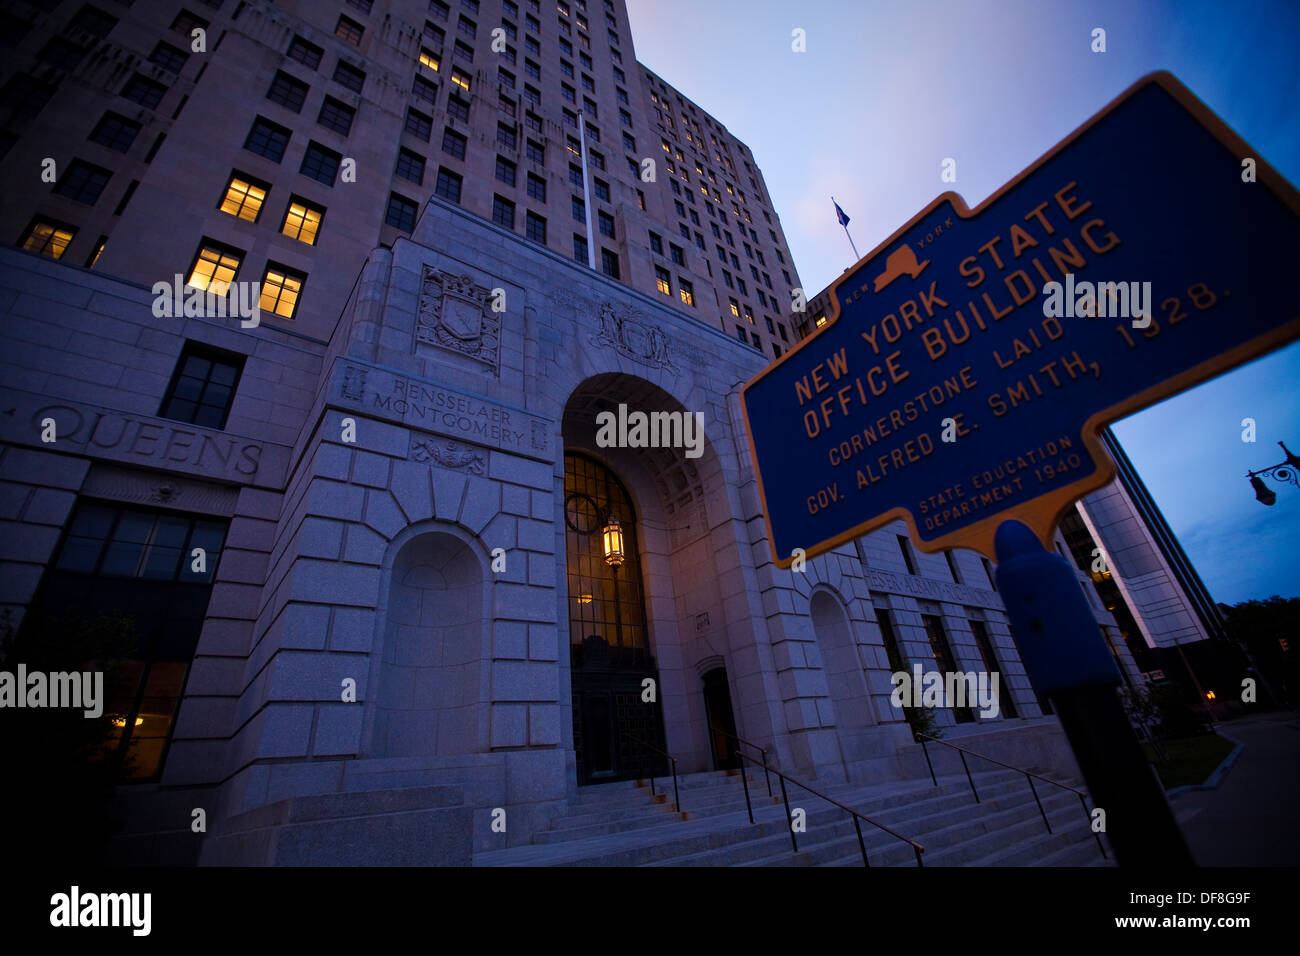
x,y
613,537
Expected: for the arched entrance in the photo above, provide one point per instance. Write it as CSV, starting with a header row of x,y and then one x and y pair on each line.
x,y
721,719
845,682
614,728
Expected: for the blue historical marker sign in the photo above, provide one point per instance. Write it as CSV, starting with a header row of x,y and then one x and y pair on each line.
x,y
970,361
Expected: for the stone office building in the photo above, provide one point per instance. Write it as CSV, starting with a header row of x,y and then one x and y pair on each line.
x,y
384,580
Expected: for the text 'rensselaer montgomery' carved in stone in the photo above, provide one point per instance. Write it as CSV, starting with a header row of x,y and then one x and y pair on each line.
x,y
454,315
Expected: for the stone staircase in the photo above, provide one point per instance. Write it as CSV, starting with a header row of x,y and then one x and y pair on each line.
x,y
621,824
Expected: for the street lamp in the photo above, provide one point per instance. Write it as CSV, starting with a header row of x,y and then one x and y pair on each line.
x,y
612,535
1288,470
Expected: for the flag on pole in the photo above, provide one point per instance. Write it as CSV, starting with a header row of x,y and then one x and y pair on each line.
x,y
840,214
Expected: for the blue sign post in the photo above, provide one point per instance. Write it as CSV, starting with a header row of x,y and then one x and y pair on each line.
x,y
970,361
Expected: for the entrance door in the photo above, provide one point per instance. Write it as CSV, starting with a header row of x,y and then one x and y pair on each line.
x,y
717,709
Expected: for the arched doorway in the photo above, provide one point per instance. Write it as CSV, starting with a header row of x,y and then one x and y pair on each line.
x,y
429,690
845,681
614,729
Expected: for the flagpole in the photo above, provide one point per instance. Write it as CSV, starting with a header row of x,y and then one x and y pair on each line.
x,y
852,244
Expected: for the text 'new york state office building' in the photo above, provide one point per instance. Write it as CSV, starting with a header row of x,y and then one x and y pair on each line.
x,y
450,291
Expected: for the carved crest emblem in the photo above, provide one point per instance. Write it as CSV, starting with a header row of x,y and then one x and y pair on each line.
x,y
454,315
641,342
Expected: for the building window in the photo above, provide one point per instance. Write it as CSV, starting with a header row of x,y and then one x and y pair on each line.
x,y
678,257
453,143
439,9
349,77
506,136
281,288
609,263
142,90
606,224
687,291
419,125
422,89
83,182
115,131
578,208
48,238
461,49
460,79
302,221
944,659
579,248
905,547
267,139
467,26
503,212
287,91
1006,705
536,153
656,244
362,5
740,334
536,188
202,388
336,116
308,54
401,211
168,57
430,60
457,108
320,164
349,30
115,557
243,197
535,228
434,33
505,171
602,190
410,166
663,281
448,186
575,175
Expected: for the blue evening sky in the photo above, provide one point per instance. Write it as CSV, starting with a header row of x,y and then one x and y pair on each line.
x,y
886,90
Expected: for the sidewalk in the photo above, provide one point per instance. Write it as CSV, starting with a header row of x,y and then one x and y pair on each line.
x,y
1250,819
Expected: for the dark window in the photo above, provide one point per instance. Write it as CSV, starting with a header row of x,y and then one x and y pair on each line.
x,y
606,222
434,33
439,9
453,143
349,30
61,54
94,21
458,108
187,22
142,90
609,263
536,188
503,212
575,175
579,248
578,209
202,388
448,186
678,257
1006,705
169,57
336,116
424,90
602,190
349,76
362,5
463,50
506,136
287,91
419,125
306,53
505,171
536,153
320,164
535,228
115,131
944,659
740,334
401,212
467,26
83,182
410,166
988,570
267,139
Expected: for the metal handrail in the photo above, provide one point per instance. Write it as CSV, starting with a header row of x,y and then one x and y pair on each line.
x,y
1029,776
750,743
917,848
677,800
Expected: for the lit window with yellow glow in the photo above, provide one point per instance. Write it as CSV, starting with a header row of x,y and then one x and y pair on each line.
x,y
48,239
280,293
215,268
301,223
460,79
243,199
427,58
821,320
